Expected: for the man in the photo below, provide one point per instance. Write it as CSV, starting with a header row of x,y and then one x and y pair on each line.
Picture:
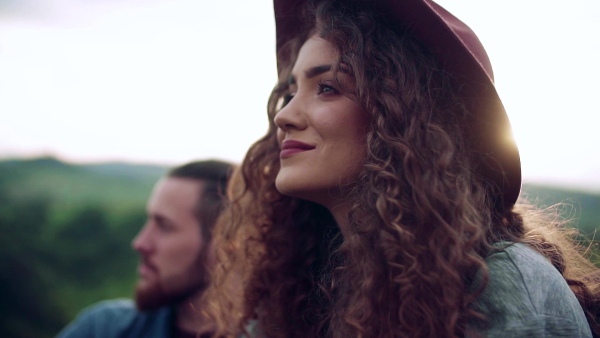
x,y
174,248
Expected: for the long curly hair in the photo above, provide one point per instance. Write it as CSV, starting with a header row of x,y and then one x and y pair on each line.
x,y
422,221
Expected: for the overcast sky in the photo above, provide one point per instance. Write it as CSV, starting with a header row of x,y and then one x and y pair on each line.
x,y
168,81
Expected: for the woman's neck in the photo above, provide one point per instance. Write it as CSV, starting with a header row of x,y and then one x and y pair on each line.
x,y
340,212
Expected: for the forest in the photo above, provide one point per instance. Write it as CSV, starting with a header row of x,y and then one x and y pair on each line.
x,y
66,229
65,233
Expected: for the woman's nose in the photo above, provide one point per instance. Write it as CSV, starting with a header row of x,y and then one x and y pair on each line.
x,y
291,116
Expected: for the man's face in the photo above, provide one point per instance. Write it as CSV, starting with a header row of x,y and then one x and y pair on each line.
x,y
170,245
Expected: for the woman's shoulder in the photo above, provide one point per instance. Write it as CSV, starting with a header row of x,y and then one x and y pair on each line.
x,y
526,295
520,260
518,272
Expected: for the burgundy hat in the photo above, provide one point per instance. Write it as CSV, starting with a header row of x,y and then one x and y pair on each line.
x,y
460,53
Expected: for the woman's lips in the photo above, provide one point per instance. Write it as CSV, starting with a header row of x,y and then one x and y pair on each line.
x,y
291,147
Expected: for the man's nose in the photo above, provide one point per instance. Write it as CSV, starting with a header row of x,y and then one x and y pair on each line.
x,y
142,241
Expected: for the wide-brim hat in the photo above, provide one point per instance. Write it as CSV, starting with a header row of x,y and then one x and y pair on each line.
x,y
460,53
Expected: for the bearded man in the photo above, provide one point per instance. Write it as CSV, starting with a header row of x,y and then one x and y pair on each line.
x,y
174,249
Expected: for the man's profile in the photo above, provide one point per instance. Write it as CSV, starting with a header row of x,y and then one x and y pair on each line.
x,y
174,249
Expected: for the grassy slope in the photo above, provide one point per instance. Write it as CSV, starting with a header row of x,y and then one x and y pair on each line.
x,y
114,186
105,183
582,207
122,186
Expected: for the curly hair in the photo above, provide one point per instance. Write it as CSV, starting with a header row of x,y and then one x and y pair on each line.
x,y
422,220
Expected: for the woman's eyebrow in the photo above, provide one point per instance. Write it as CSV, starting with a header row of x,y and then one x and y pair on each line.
x,y
314,71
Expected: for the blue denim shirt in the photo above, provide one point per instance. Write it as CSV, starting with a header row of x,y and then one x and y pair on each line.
x,y
527,297
119,319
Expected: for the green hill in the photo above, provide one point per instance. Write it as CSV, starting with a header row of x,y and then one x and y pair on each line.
x,y
68,185
582,208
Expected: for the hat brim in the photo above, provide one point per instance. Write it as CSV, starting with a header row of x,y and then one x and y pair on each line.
x,y
459,53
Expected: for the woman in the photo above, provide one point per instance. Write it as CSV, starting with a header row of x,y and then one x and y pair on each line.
x,y
381,202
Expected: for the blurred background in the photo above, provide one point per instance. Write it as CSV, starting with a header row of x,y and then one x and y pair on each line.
x,y
99,97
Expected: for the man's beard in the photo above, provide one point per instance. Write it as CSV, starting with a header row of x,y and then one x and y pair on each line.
x,y
155,295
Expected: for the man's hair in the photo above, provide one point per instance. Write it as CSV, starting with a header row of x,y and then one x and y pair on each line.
x,y
214,175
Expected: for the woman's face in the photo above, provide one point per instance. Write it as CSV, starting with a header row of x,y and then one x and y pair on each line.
x,y
321,130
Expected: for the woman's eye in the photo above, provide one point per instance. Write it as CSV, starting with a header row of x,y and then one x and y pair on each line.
x,y
326,89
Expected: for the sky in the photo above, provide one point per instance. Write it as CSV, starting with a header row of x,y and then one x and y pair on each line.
x,y
169,81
